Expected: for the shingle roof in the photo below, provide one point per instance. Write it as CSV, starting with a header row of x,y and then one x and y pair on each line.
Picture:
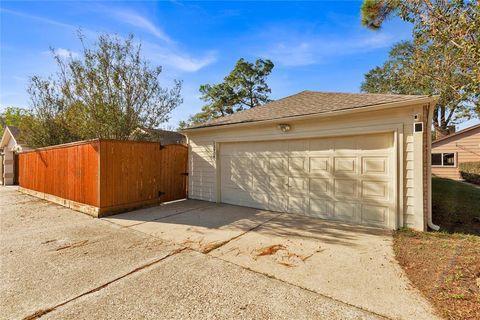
x,y
308,103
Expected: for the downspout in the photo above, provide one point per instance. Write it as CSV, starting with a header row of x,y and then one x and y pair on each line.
x,y
431,225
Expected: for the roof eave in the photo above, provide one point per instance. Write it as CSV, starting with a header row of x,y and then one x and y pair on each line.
x,y
431,99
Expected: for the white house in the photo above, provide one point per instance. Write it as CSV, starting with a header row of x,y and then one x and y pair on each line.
x,y
358,158
11,145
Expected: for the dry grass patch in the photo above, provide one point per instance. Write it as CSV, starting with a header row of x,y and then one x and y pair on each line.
x,y
445,268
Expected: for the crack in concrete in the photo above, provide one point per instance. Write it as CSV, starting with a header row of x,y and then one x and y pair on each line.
x,y
39,313
221,244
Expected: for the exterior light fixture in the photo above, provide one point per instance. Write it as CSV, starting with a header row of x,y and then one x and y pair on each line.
x,y
284,127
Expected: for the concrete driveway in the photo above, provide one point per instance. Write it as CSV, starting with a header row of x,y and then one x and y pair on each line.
x,y
190,260
348,263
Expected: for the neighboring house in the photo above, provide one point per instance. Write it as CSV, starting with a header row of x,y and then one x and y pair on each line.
x,y
448,152
165,137
360,158
11,144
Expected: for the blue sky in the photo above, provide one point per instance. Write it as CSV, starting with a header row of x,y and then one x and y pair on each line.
x,y
314,45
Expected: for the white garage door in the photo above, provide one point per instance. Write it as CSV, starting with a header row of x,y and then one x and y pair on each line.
x,y
343,178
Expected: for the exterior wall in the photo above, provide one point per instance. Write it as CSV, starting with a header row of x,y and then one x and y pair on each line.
x,y
204,144
8,163
465,145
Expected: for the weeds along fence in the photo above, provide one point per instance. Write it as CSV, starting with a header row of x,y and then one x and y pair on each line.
x,y
102,177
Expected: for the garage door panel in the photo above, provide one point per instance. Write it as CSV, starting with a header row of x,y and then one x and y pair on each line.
x,y
279,184
261,183
320,186
345,188
298,185
376,165
279,166
319,165
345,165
260,165
343,178
377,190
321,208
297,205
233,174
297,165
376,215
278,203
345,211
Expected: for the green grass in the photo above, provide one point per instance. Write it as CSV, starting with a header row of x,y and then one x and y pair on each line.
x,y
456,206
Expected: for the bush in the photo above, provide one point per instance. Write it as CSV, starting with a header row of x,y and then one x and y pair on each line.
x,y
470,171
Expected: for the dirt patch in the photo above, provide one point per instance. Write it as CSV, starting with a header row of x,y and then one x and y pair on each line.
x,y
445,268
267,251
282,255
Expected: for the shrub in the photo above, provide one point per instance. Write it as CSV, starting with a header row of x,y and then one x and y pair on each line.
x,y
470,171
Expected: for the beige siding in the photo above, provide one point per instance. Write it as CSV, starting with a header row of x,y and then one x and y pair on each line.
x,y
465,145
203,179
202,171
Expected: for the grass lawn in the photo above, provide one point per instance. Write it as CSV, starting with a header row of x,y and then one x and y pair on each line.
x,y
445,266
456,206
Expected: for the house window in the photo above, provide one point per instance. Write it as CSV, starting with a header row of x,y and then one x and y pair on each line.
x,y
436,159
446,159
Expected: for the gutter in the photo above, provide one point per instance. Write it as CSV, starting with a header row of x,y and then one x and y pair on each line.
x,y
430,224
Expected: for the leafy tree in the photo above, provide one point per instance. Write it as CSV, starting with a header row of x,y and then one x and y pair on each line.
x,y
444,57
108,92
12,116
248,81
401,74
244,87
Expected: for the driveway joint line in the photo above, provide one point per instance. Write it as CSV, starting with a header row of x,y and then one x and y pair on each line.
x,y
303,288
168,216
42,312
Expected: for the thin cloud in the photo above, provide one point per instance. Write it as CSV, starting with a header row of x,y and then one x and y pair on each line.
x,y
186,63
38,18
62,53
177,59
296,51
139,21
169,52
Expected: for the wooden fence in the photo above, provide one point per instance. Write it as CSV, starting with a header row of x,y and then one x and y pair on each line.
x,y
102,177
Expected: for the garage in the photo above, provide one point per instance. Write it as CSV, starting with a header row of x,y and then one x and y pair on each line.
x,y
343,178
356,158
